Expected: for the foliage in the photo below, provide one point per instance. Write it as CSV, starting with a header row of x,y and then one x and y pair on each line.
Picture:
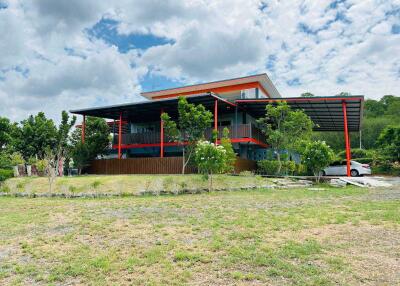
x,y
210,159
5,129
6,174
355,153
34,136
389,142
41,165
16,159
81,155
288,167
317,156
230,153
192,122
344,94
97,140
269,167
307,94
284,128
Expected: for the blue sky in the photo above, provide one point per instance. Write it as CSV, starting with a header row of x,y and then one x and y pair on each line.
x,y
72,54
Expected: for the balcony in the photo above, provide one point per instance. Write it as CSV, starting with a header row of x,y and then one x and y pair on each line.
x,y
236,132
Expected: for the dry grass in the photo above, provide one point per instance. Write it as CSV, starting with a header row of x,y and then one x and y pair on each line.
x,y
272,237
130,184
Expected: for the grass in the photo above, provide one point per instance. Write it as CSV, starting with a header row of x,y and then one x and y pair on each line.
x,y
128,184
344,236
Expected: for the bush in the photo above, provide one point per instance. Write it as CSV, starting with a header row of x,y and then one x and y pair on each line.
x,y
288,167
364,160
317,156
6,174
301,170
355,153
269,167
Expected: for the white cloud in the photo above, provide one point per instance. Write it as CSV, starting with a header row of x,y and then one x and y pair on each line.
x,y
48,62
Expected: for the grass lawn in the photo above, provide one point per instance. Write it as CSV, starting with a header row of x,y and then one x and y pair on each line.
x,y
347,236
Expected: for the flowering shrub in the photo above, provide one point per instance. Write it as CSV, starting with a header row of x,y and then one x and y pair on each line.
x,y
210,159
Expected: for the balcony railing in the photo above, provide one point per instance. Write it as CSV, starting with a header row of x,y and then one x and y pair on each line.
x,y
235,131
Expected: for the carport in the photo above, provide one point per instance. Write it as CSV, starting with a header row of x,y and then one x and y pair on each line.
x,y
334,113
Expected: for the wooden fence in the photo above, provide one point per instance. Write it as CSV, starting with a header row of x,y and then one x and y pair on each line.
x,y
166,165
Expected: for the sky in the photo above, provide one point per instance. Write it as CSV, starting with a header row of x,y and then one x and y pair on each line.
x,y
71,54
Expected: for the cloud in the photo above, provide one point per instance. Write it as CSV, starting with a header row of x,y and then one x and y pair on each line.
x,y
59,55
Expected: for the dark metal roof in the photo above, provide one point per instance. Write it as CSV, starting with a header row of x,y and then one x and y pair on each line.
x,y
325,112
146,111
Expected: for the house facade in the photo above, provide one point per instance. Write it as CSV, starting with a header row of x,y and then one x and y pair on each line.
x,y
236,104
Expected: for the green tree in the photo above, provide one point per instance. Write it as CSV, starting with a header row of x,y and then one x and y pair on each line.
x,y
317,156
210,159
373,108
97,141
285,128
192,122
230,153
307,94
34,136
5,129
344,94
389,142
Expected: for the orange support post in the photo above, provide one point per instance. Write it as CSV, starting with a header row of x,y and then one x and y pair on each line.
x,y
216,118
162,136
346,137
83,129
119,135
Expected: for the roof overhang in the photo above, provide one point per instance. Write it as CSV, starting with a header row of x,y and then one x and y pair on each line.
x,y
262,80
325,112
147,111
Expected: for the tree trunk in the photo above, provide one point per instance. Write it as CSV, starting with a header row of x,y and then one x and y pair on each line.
x,y
278,156
183,160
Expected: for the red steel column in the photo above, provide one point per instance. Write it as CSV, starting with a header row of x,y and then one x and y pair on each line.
x,y
346,137
216,118
119,135
83,129
162,136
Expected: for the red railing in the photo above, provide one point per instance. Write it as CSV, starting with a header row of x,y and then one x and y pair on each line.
x,y
235,131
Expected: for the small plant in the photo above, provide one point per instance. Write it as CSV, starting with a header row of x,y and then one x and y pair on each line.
x,y
269,167
95,184
246,174
6,174
17,159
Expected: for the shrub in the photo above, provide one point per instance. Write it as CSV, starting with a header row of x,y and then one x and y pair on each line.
x,y
17,159
6,174
365,160
41,165
288,167
317,156
269,167
301,170
355,153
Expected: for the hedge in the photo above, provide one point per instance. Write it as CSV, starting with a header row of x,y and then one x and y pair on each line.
x,y
6,174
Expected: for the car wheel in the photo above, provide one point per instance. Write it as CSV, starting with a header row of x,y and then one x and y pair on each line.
x,y
354,173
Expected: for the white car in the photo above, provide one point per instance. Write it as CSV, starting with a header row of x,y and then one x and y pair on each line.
x,y
340,169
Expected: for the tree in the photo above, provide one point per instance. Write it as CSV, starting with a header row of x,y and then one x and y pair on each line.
x,y
344,94
97,140
192,122
389,142
307,94
373,108
317,156
230,153
5,129
210,159
284,128
36,134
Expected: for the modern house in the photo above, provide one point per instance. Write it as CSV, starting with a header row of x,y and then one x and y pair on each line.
x,y
236,104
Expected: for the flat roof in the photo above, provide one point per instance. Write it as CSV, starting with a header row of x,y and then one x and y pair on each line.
x,y
263,79
146,111
325,112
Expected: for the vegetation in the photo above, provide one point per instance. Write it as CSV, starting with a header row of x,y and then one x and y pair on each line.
x,y
97,140
285,128
317,156
264,237
230,153
210,159
189,128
